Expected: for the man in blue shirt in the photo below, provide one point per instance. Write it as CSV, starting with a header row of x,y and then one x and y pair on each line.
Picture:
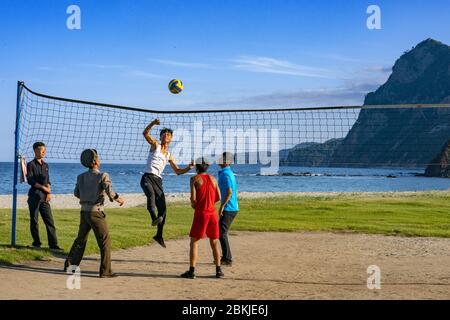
x,y
229,204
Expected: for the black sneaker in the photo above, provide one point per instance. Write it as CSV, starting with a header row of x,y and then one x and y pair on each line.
x,y
157,221
160,241
66,265
56,248
226,262
219,274
188,275
36,246
112,275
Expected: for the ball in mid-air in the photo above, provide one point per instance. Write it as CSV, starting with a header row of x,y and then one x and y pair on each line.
x,y
175,86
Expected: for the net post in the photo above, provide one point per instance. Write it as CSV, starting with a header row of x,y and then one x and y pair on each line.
x,y
16,164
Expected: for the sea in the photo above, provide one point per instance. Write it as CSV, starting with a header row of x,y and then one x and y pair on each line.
x,y
126,179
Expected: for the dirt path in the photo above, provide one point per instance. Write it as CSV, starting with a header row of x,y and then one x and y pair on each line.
x,y
267,266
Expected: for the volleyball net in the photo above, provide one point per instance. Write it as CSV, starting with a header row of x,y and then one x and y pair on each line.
x,y
340,136
347,136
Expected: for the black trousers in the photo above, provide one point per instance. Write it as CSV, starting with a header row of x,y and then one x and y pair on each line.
x,y
153,189
225,223
36,206
96,221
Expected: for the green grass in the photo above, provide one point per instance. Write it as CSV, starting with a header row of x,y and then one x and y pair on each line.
x,y
424,214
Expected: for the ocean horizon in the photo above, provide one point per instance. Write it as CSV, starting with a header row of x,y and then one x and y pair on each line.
x,y
126,179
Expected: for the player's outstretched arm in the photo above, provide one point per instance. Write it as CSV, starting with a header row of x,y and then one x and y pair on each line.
x,y
107,186
152,141
177,169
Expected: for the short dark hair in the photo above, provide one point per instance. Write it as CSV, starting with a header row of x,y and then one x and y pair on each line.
x,y
227,158
38,144
89,157
166,130
201,165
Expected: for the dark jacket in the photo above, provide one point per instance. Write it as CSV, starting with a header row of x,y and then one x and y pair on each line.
x,y
37,173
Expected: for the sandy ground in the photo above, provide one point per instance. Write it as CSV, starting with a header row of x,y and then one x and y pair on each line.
x,y
68,201
308,265
266,266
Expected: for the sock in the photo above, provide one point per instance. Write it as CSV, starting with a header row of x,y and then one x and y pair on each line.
x,y
191,269
218,269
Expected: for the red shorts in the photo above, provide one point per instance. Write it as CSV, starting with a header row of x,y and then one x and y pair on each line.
x,y
205,224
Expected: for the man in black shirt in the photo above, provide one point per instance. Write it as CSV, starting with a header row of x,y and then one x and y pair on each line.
x,y
39,197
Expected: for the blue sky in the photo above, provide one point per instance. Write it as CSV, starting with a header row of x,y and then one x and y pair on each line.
x,y
228,54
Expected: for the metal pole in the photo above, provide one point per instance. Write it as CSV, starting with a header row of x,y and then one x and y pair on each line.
x,y
16,164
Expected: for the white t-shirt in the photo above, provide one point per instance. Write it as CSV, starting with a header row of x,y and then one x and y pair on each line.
x,y
157,161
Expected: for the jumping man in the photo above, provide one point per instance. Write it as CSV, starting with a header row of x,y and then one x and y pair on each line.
x,y
151,182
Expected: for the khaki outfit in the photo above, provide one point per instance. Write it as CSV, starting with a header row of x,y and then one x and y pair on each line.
x,y
92,187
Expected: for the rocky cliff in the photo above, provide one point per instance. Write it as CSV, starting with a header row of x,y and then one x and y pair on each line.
x,y
405,136
440,166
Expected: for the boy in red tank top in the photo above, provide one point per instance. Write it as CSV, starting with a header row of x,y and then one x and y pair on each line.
x,y
205,194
